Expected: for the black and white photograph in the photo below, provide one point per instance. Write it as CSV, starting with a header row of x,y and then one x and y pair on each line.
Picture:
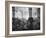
x,y
25,18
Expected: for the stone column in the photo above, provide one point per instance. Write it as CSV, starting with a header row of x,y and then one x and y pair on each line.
x,y
34,12
30,12
13,12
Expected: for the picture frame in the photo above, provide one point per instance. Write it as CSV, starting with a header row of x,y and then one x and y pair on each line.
x,y
8,23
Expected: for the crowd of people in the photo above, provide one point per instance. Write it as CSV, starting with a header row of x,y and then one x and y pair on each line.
x,y
30,24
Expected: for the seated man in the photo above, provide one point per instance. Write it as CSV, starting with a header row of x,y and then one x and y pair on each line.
x,y
29,23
